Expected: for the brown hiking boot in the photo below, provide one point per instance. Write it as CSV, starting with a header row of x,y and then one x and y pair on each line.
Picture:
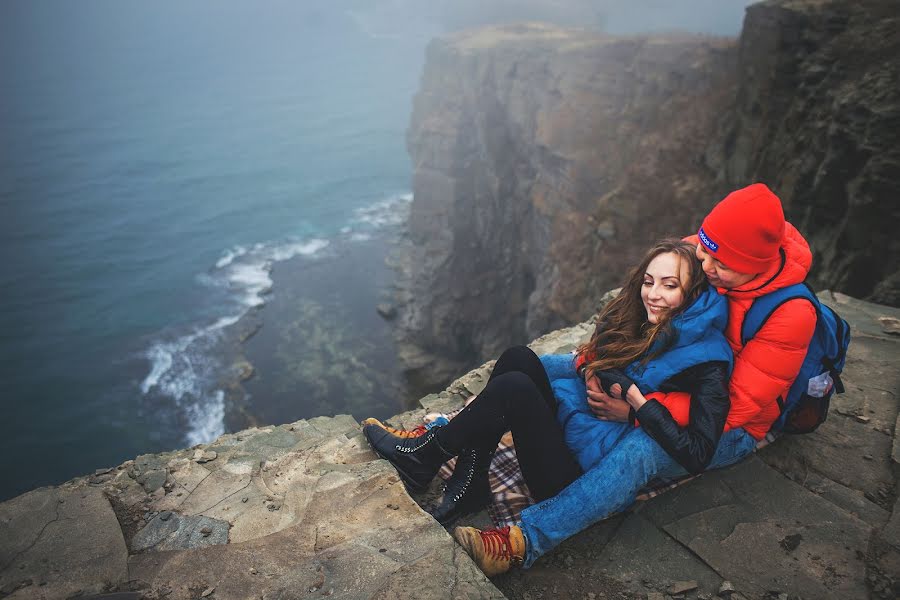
x,y
401,433
493,550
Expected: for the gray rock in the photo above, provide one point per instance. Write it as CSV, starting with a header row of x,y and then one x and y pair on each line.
x,y
244,370
153,480
638,545
206,456
180,532
69,547
727,536
890,325
682,587
387,311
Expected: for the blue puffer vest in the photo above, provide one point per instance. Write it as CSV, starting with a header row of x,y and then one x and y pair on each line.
x,y
699,338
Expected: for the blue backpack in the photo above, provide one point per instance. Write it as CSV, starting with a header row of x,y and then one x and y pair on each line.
x,y
806,404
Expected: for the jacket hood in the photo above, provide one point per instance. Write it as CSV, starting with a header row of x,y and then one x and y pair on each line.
x,y
708,311
796,260
699,337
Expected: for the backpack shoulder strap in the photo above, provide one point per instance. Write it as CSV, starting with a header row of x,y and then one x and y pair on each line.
x,y
763,307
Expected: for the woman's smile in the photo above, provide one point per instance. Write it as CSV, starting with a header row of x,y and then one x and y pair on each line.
x,y
663,285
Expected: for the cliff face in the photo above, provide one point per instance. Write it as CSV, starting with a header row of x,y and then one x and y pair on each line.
x,y
544,161
547,159
817,117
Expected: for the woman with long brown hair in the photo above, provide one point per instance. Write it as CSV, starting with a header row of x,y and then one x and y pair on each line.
x,y
661,334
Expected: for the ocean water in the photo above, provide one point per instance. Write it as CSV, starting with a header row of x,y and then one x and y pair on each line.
x,y
165,169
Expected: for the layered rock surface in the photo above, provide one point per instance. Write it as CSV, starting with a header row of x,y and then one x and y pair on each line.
x,y
299,510
306,510
548,159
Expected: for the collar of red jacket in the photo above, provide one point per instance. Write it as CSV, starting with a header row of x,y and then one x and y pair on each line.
x,y
792,267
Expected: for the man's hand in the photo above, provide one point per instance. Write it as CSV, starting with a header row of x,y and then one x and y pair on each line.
x,y
604,406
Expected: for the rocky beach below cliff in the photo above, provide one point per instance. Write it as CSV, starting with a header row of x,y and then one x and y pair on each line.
x,y
321,345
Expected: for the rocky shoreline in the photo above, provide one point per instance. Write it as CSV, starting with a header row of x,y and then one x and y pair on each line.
x,y
307,510
320,344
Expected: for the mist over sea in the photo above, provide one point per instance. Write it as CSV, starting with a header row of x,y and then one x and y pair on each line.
x,y
168,171
186,186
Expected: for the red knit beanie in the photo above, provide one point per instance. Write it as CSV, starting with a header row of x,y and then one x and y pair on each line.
x,y
744,231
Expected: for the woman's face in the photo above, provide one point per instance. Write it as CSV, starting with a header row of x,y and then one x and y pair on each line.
x,y
664,282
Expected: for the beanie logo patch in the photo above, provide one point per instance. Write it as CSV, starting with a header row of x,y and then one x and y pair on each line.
x,y
706,241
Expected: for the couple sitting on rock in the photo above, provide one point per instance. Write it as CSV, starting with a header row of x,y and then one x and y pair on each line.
x,y
664,388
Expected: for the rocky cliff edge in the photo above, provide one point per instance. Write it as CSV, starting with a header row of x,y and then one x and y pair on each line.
x,y
306,510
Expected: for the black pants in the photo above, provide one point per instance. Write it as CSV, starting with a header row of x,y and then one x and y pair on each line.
x,y
517,398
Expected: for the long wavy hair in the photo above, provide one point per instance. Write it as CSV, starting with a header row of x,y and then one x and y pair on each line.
x,y
623,333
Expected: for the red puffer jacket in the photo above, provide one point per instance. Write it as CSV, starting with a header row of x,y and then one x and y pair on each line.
x,y
767,365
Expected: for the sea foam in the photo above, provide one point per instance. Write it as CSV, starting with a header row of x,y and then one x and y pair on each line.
x,y
187,368
207,419
229,256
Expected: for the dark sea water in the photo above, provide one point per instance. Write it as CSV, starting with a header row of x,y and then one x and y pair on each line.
x,y
169,171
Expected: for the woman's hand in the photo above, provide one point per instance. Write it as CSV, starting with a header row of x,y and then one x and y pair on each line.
x,y
605,407
634,397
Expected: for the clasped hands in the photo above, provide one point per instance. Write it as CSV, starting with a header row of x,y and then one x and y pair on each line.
x,y
611,404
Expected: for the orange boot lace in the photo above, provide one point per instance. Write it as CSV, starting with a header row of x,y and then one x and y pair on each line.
x,y
417,431
497,545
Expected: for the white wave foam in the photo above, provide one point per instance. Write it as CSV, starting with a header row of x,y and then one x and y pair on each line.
x,y
161,361
207,419
308,248
175,365
224,322
173,371
386,213
249,275
252,280
187,368
229,256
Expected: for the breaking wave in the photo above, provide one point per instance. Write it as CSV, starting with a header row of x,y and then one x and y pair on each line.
x,y
188,368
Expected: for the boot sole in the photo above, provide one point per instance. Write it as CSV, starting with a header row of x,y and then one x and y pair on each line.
x,y
407,479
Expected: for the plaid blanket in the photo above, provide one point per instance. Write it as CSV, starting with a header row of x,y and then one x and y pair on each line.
x,y
510,492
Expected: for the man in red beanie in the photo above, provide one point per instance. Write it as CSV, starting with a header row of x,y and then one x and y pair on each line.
x,y
749,250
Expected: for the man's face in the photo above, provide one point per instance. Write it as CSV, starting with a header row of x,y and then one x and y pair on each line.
x,y
718,274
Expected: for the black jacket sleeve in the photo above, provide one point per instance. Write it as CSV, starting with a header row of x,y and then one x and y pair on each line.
x,y
692,446
612,376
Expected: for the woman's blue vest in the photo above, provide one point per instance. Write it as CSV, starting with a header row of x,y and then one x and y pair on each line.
x,y
699,338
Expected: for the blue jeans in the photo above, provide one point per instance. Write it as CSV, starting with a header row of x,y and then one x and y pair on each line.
x,y
612,486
